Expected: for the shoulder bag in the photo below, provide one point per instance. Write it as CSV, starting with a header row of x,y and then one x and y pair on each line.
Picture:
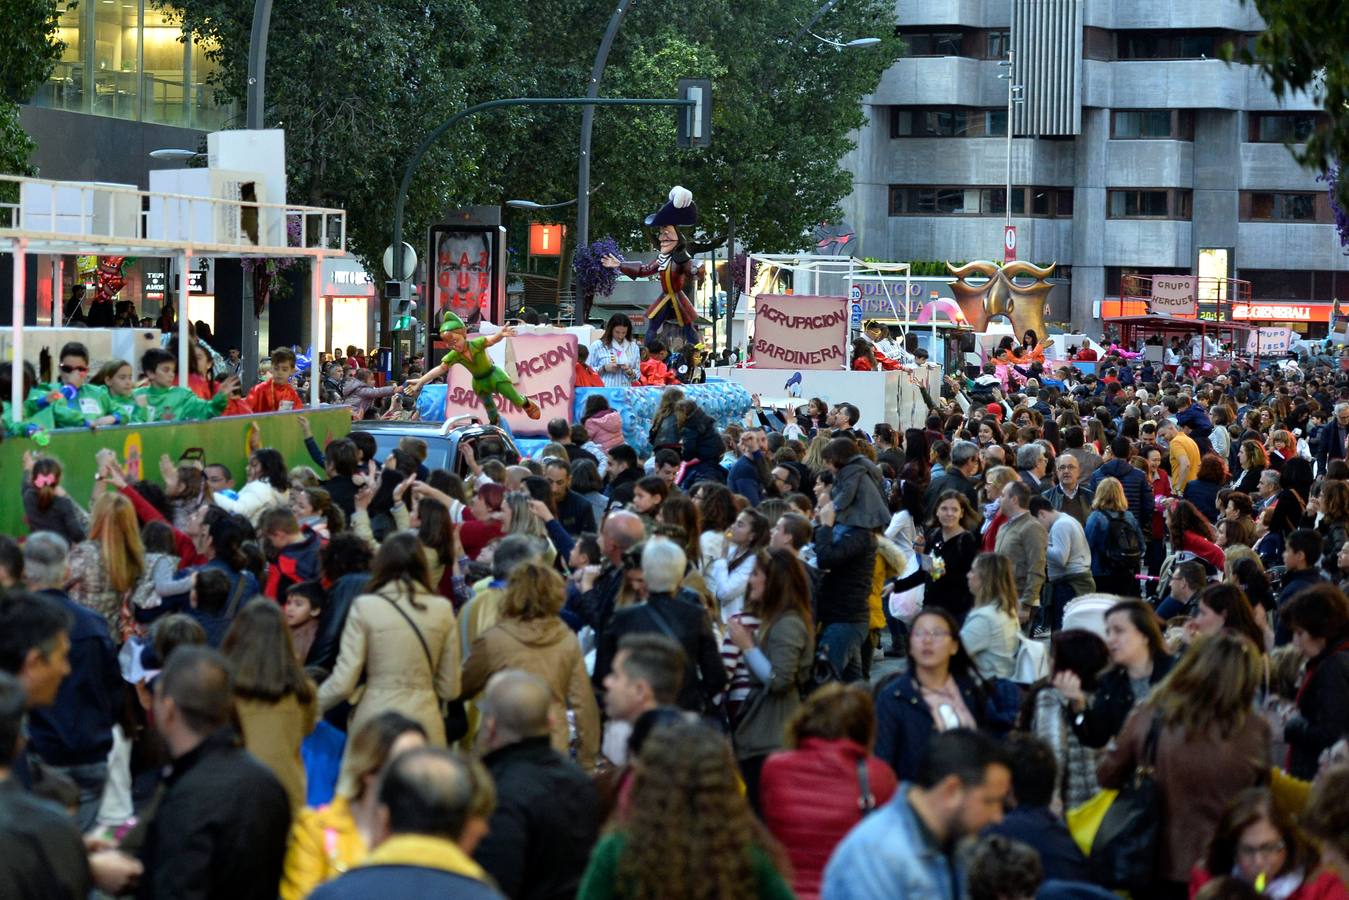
x,y
453,712
1124,850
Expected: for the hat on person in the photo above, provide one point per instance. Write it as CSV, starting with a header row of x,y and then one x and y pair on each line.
x,y
995,410
679,210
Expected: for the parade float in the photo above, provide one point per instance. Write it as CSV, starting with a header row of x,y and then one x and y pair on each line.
x,y
234,208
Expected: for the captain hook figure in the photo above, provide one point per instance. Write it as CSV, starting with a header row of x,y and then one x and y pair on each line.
x,y
673,265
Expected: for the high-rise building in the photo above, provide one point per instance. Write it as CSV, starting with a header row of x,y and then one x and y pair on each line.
x,y
1152,155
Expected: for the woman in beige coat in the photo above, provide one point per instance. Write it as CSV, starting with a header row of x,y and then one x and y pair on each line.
x,y
531,637
403,637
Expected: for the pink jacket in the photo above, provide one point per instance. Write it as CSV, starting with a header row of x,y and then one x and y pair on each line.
x,y
606,428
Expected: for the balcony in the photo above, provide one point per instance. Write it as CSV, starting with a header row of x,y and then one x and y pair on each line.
x,y
941,81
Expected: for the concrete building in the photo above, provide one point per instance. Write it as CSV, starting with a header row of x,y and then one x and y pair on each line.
x,y
1153,156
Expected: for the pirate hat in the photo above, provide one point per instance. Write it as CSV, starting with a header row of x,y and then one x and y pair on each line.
x,y
679,210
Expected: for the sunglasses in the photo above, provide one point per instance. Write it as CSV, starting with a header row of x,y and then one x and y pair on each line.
x,y
68,369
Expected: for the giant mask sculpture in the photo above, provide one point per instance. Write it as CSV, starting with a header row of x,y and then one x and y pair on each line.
x,y
1000,295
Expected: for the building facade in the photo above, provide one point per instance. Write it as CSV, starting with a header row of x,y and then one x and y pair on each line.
x,y
1153,155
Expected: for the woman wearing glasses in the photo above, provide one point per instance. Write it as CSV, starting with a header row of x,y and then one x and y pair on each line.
x,y
938,693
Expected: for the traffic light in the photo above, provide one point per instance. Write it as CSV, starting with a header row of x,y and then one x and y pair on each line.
x,y
695,122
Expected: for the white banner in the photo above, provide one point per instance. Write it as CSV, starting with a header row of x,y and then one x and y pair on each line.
x,y
1175,294
1272,341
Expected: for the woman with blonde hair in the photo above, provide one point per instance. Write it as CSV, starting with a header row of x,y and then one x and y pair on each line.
x,y
108,568
327,841
531,637
815,452
1107,507
989,634
1209,745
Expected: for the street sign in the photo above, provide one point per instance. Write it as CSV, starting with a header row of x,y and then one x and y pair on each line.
x,y
1009,243
409,262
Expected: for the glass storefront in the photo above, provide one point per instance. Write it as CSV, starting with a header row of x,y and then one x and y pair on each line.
x,y
127,59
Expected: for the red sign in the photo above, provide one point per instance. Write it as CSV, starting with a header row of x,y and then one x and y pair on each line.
x,y
546,239
1009,243
1282,312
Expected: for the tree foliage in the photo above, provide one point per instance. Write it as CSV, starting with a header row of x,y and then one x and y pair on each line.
x,y
1303,48
356,85
32,48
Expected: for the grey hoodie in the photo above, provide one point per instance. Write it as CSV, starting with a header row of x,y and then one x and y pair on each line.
x,y
858,499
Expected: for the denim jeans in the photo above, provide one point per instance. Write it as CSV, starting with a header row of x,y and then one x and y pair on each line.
x,y
89,779
842,643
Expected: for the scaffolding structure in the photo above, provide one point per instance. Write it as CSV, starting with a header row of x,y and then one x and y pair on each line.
x,y
88,218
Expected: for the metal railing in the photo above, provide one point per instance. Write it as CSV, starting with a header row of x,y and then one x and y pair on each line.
x,y
75,216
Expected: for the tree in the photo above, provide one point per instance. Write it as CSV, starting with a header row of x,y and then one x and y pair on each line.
x,y
32,48
1303,49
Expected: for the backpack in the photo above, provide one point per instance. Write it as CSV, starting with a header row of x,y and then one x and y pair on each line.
x,y
1124,547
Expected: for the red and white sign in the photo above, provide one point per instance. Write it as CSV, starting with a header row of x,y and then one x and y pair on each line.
x,y
1176,295
799,332
544,369
1282,312
1009,243
546,239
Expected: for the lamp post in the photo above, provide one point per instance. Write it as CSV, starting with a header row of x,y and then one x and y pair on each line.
x,y
1013,97
587,127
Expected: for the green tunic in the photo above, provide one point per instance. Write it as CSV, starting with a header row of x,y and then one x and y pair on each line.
x,y
90,403
132,413
179,404
488,379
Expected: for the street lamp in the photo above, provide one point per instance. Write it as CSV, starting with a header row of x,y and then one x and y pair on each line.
x,y
854,44
175,154
532,204
1013,97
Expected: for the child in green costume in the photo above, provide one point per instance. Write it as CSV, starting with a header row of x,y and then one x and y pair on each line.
x,y
119,380
73,403
488,379
166,401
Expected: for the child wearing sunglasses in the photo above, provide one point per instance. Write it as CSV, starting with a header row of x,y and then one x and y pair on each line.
x,y
73,402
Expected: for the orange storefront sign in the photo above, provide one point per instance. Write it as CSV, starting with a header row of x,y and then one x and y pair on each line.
x,y
1282,312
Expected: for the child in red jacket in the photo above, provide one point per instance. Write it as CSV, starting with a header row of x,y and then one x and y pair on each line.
x,y
277,393
654,371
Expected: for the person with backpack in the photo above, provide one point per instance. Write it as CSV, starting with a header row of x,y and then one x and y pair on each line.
x,y
1115,540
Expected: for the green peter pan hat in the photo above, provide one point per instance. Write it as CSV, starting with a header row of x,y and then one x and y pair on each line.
x,y
451,322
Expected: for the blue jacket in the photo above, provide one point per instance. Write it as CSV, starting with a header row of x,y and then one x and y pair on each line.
x,y
744,480
885,857
1098,535
76,730
1204,496
1042,830
904,723
1137,487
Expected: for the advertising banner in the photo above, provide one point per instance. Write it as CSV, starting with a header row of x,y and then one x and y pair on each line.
x,y
543,367
1175,295
800,332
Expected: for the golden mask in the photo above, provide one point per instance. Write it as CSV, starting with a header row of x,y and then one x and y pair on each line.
x,y
1000,295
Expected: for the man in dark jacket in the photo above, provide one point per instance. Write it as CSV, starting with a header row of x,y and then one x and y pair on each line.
x,y
1137,488
74,734
1034,774
847,556
223,819
296,552
547,817
594,605
623,475
574,512
1301,554
960,476
425,800
663,566
342,461
1334,436
744,478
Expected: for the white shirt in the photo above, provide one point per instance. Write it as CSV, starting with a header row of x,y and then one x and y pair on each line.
x,y
624,353
1068,552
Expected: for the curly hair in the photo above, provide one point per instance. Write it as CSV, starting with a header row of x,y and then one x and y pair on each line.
x,y
689,831
1186,519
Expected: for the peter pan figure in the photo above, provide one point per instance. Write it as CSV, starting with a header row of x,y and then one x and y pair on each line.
x,y
488,379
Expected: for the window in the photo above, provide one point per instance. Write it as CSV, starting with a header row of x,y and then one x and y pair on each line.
x,y
129,60
1173,44
998,44
1284,127
978,201
947,122
1139,123
1148,204
920,42
1267,206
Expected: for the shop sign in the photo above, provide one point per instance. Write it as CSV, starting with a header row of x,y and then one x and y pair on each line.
x,y
1282,312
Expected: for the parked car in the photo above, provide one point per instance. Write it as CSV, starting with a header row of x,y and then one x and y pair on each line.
x,y
443,445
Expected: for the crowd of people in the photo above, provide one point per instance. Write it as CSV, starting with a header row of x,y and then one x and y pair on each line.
x,y
782,657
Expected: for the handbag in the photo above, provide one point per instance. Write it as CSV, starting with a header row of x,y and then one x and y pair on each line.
x,y
453,712
1124,848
